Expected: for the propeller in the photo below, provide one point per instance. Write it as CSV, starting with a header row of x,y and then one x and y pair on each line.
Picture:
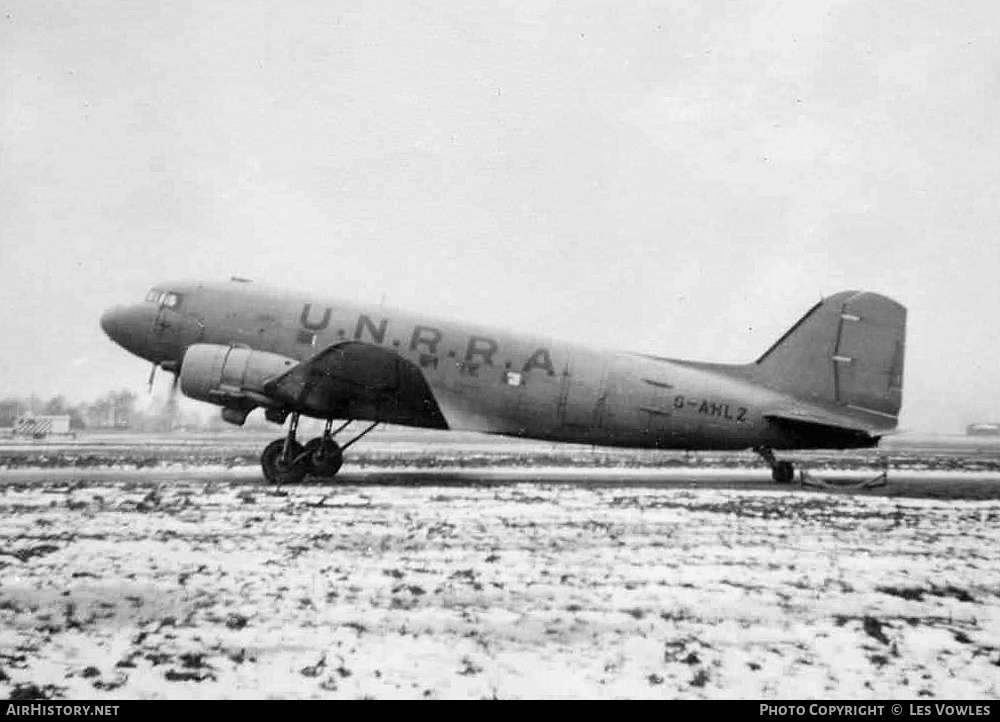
x,y
172,397
170,408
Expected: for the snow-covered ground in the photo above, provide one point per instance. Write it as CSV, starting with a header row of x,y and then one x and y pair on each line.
x,y
136,587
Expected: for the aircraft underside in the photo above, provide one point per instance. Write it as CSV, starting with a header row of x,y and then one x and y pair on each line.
x,y
286,460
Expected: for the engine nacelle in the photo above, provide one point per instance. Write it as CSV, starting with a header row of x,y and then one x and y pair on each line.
x,y
230,376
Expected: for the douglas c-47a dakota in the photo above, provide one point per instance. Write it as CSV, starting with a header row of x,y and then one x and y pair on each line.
x,y
834,380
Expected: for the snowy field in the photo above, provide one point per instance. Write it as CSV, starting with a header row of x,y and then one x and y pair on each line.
x,y
201,582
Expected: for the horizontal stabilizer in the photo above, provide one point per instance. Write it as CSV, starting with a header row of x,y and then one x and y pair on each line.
x,y
817,430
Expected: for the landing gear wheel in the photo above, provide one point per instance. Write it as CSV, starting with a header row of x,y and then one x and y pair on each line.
x,y
324,455
783,472
276,470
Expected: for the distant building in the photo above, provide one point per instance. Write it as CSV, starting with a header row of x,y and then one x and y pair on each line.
x,y
987,429
105,416
38,426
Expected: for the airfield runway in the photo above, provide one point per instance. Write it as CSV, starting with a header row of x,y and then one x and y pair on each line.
x,y
161,568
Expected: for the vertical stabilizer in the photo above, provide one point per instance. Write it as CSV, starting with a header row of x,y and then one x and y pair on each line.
x,y
846,352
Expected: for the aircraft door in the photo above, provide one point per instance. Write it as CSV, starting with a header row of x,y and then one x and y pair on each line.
x,y
655,409
644,397
582,394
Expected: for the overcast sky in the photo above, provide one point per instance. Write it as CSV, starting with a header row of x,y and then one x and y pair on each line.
x,y
685,179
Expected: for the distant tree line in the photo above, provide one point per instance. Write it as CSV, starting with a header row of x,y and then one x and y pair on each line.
x,y
116,410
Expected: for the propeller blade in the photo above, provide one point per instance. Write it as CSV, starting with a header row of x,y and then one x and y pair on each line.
x,y
172,398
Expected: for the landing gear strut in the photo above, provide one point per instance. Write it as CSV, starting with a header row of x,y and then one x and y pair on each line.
x,y
324,455
280,458
781,471
285,461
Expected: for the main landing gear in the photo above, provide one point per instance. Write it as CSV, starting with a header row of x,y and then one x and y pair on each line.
x,y
781,471
286,461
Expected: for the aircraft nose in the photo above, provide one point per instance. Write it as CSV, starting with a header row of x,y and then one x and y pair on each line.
x,y
127,326
111,322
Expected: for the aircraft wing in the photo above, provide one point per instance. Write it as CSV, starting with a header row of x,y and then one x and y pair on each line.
x,y
354,380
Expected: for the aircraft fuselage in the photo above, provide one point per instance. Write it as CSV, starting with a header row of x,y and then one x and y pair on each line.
x,y
483,379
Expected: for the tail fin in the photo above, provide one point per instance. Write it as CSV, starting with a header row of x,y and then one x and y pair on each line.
x,y
846,352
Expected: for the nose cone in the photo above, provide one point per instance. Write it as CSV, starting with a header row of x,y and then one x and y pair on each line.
x,y
111,322
127,326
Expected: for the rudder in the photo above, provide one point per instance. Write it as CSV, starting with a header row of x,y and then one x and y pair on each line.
x,y
847,351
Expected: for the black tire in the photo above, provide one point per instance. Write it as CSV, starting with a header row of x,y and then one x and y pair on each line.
x,y
783,472
275,470
325,457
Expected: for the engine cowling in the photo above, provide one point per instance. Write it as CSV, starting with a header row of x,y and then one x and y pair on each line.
x,y
231,376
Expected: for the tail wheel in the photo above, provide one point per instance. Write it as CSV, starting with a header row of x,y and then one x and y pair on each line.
x,y
276,470
783,472
325,456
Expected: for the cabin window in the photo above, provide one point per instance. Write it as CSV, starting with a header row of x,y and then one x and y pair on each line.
x,y
153,296
513,378
171,300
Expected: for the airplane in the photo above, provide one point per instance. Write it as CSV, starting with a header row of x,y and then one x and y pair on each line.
x,y
833,380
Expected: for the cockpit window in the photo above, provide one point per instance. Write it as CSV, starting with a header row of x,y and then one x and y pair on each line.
x,y
163,298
